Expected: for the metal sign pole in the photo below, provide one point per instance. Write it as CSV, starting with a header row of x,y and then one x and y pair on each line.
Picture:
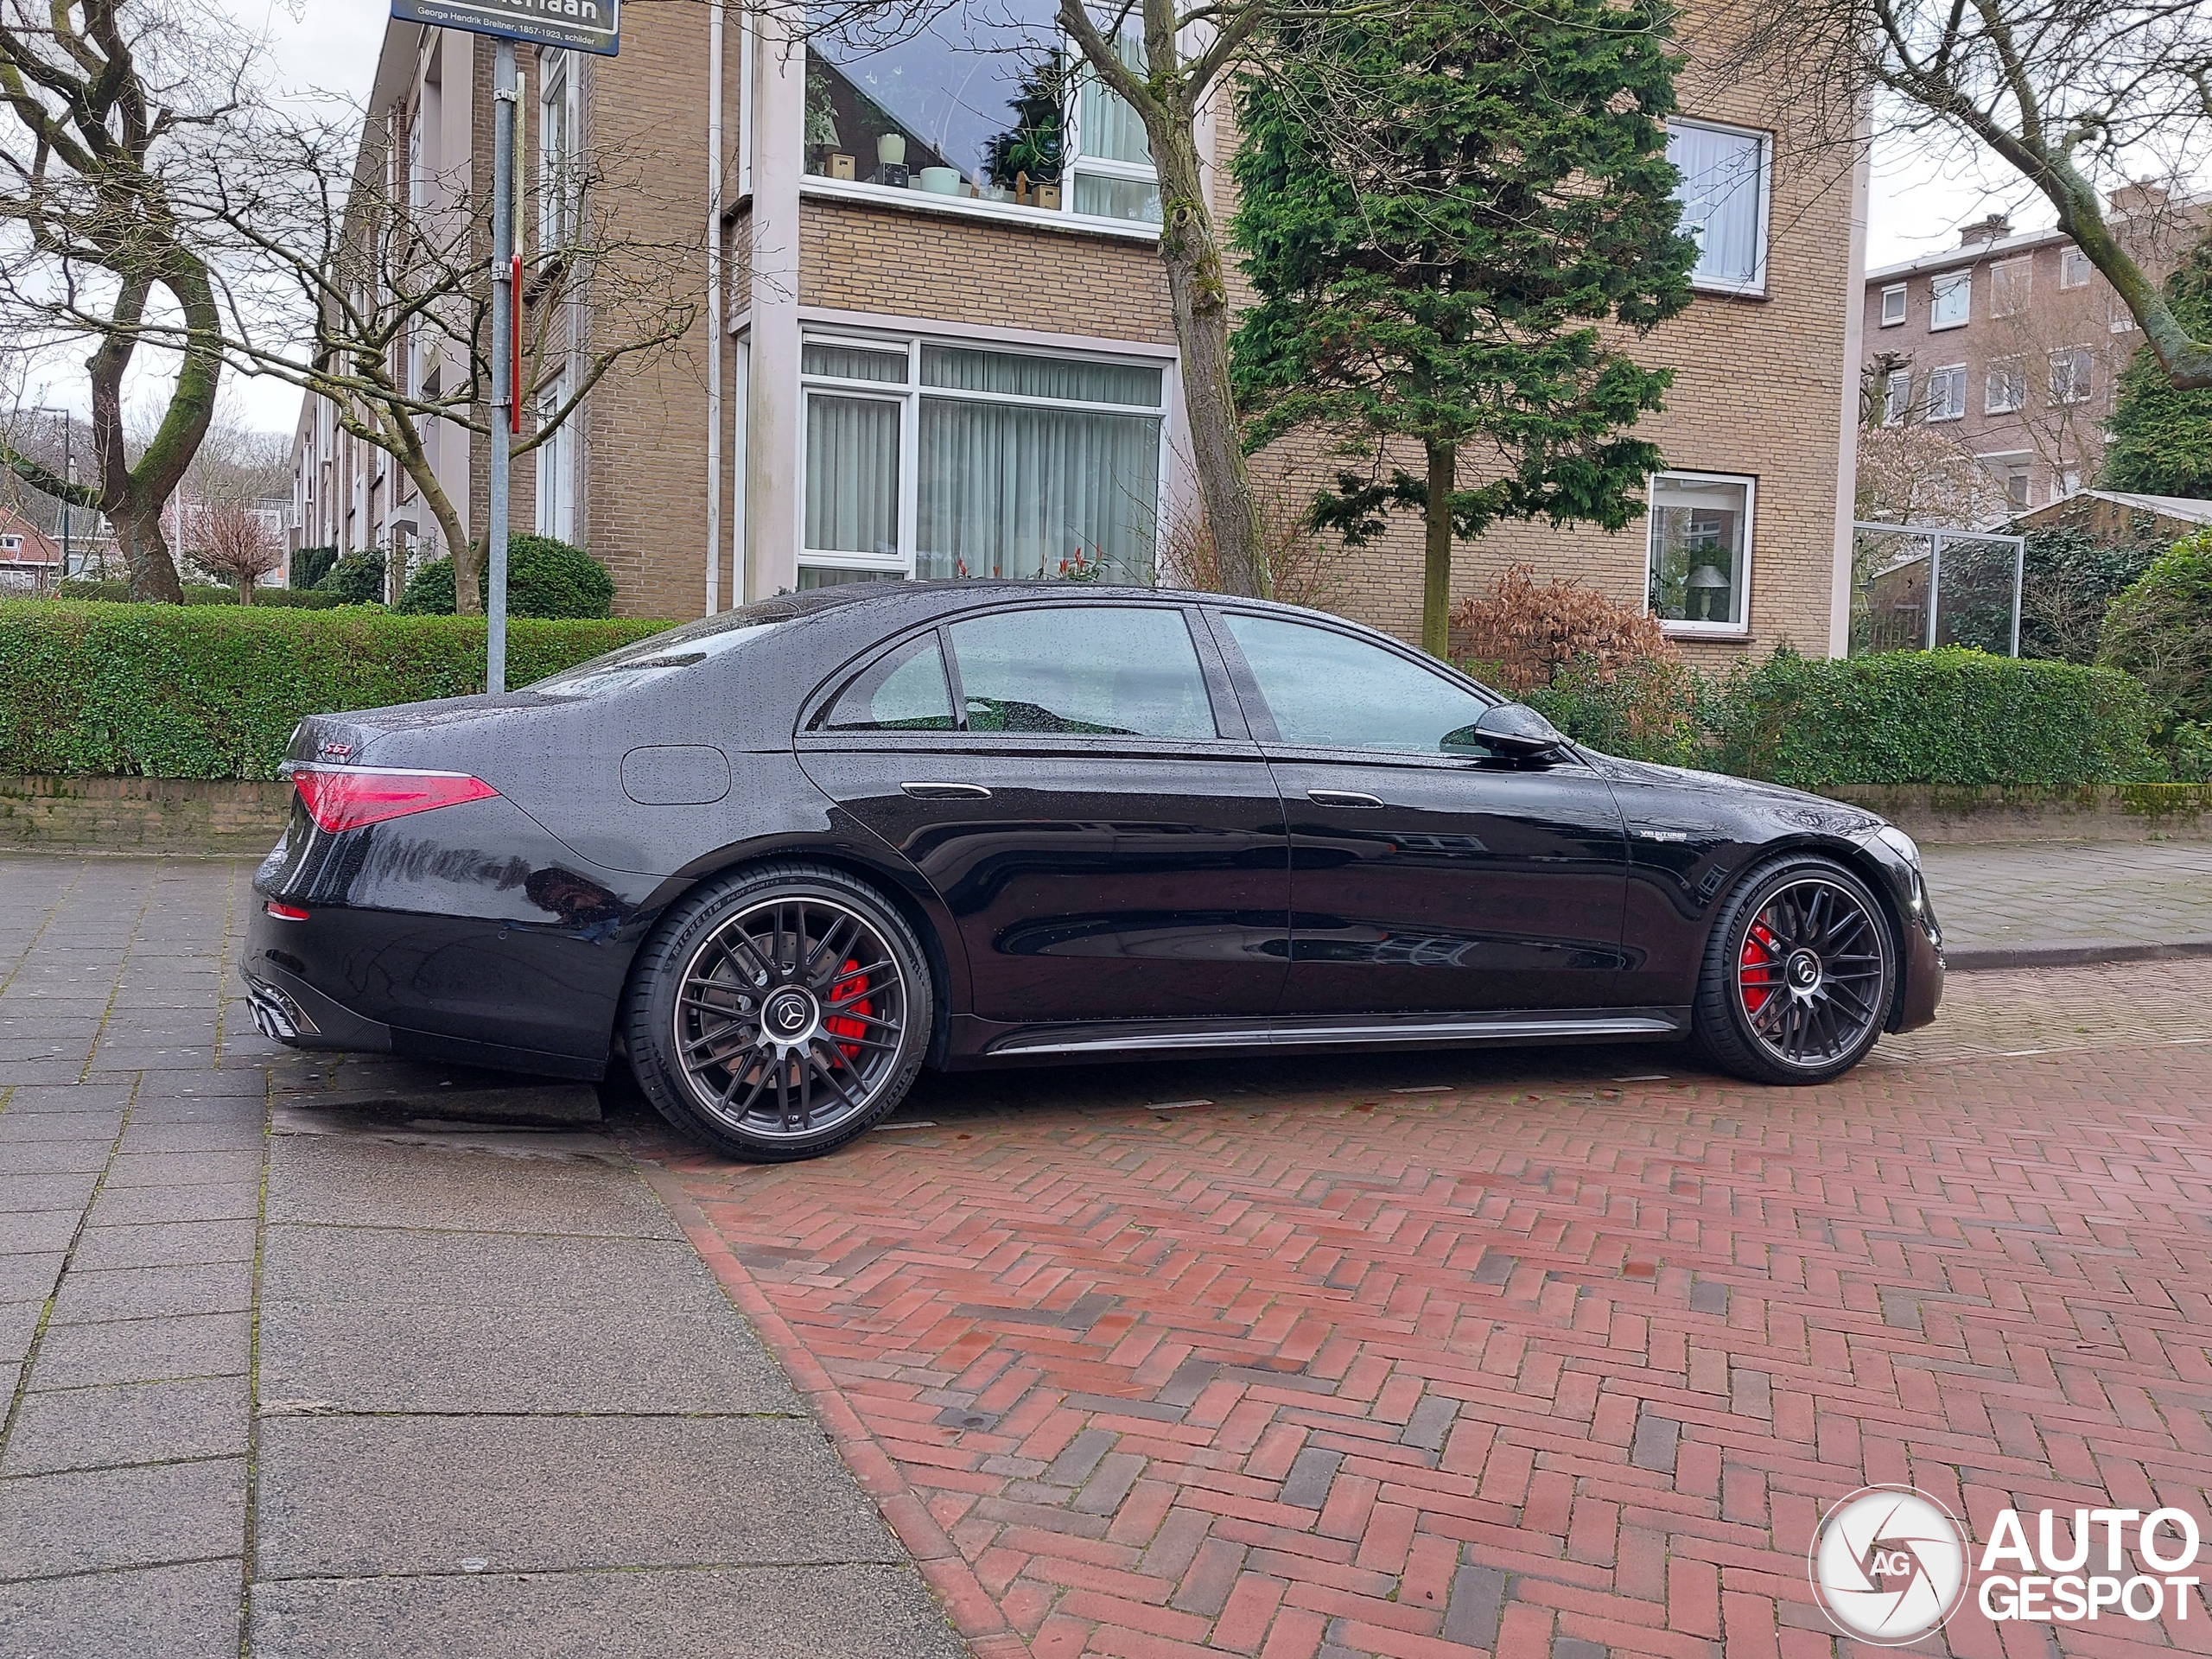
x,y
1934,582
503,349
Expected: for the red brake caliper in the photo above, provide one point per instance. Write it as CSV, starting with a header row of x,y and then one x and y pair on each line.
x,y
1756,972
841,1024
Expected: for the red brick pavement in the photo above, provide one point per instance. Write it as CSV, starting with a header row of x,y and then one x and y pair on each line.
x,y
1554,1371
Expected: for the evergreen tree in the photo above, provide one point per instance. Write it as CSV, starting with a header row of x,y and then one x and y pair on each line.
x,y
1441,207
2160,440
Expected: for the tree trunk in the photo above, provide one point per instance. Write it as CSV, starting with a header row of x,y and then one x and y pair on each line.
x,y
1190,250
467,572
1436,561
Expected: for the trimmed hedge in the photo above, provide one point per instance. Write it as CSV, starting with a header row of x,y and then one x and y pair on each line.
x,y
118,592
1951,716
164,691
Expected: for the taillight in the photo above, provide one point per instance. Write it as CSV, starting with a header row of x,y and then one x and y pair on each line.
x,y
285,912
346,797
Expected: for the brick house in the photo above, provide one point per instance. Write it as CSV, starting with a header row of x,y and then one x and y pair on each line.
x,y
30,560
928,348
2013,345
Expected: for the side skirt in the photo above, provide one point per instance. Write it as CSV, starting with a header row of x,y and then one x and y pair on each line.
x,y
1107,1040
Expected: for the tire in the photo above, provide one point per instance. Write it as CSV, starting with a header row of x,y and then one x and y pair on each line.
x,y
747,1034
1799,973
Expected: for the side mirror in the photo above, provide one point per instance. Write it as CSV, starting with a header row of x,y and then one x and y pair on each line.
x,y
1518,732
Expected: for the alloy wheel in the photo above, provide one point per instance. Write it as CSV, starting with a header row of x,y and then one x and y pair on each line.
x,y
790,1018
1810,972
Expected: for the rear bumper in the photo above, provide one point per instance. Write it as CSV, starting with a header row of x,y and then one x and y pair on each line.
x,y
454,989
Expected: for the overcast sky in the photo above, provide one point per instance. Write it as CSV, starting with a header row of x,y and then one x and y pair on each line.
x,y
1918,202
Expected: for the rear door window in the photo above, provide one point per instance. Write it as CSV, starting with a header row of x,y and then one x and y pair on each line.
x,y
1086,671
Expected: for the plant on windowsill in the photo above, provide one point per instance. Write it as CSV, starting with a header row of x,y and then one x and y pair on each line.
x,y
1027,156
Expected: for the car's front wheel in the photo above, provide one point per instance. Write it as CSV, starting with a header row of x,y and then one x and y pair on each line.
x,y
1799,975
780,1013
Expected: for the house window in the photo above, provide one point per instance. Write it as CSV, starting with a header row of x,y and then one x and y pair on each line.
x,y
996,108
1896,397
1699,550
2071,375
557,468
2010,281
1951,302
1723,196
2120,320
1893,304
2074,268
935,461
11,543
2006,389
557,173
1947,393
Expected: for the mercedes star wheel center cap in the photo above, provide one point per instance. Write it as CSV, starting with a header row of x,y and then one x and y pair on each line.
x,y
1804,971
789,1016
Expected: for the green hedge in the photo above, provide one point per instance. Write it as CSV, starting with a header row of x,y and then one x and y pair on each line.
x,y
160,691
198,593
1951,716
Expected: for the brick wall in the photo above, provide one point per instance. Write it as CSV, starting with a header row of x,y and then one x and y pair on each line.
x,y
143,815
858,257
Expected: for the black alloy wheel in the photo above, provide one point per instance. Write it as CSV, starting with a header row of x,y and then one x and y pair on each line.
x,y
780,1012
1799,975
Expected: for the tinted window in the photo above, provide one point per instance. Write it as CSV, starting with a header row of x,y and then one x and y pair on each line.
x,y
902,690
1090,670
1329,691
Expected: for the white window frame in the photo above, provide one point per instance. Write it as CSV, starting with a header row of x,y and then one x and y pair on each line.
x,y
2081,387
1939,287
2017,275
909,397
1754,287
557,169
1704,630
1957,413
1073,162
1900,292
2015,382
554,510
1896,397
2075,268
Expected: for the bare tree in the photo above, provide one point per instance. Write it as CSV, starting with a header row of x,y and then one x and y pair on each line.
x,y
1910,474
108,105
368,284
2069,93
233,542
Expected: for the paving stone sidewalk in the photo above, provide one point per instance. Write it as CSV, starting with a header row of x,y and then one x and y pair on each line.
x,y
2046,904
278,1380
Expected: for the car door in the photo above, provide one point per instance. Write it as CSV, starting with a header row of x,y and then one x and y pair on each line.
x,y
1108,840
1427,872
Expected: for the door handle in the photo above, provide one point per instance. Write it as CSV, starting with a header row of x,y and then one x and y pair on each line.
x,y
1340,798
927,791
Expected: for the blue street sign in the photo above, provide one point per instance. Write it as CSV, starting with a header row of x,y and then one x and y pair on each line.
x,y
580,25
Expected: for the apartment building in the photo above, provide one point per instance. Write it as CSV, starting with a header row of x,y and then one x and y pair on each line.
x,y
2012,345
935,338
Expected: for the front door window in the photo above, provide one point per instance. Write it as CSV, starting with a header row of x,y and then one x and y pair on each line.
x,y
1329,691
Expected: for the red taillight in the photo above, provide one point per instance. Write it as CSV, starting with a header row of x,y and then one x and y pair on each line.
x,y
346,797
285,912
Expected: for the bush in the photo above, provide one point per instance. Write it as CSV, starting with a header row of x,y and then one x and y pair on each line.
x,y
1647,709
357,579
1949,716
159,691
1523,634
118,592
310,565
2160,629
545,578
292,599
2068,579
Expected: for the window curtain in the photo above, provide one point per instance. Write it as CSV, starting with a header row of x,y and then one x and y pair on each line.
x,y
852,474
1020,375
1008,491
1720,192
1107,127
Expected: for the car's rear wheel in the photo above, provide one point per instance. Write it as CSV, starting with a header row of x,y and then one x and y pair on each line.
x,y
779,1012
1798,976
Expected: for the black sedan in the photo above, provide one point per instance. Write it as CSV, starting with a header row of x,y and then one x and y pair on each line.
x,y
781,859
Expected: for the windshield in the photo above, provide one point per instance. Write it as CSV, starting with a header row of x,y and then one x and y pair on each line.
x,y
649,659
